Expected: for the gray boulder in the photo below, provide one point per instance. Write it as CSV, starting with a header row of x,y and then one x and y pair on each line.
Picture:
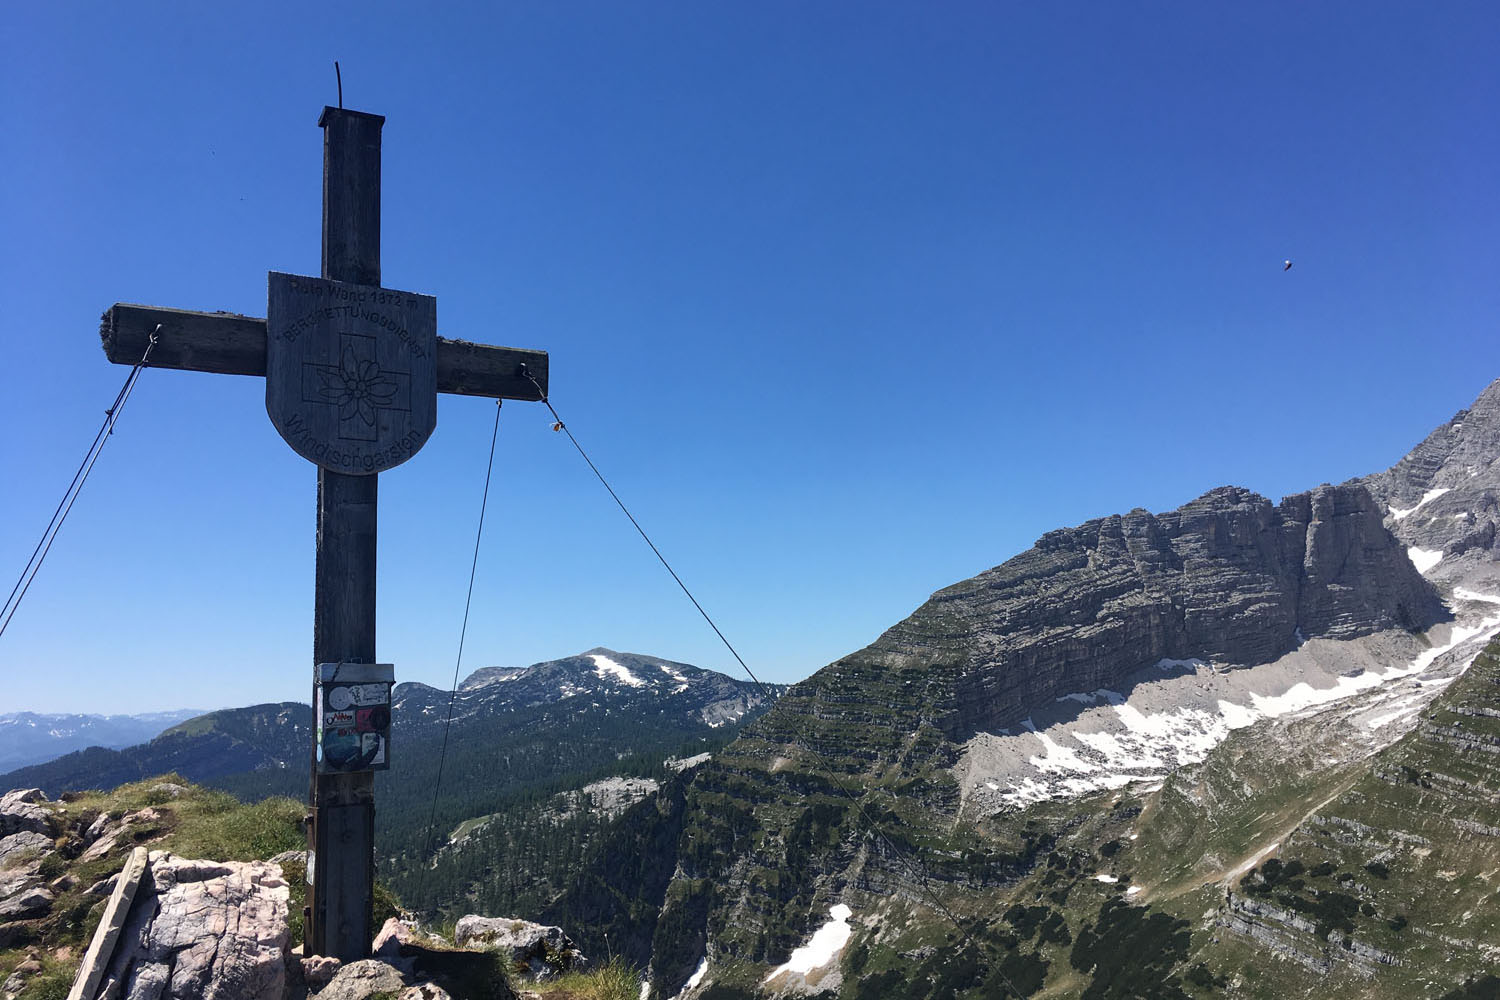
x,y
359,980
22,845
14,880
18,977
28,904
319,970
21,809
97,827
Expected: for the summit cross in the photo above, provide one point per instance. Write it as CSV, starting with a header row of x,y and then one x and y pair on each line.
x,y
352,374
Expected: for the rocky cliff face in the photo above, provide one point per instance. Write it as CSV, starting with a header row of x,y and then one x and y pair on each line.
x,y
1228,578
1263,614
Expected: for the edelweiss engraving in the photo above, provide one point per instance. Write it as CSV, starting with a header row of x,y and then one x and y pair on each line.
x,y
358,386
351,383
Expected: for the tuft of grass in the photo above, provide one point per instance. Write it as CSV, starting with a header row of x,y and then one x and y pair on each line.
x,y
227,830
383,905
54,982
199,822
295,873
615,980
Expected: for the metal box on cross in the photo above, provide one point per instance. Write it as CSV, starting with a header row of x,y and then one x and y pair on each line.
x,y
351,371
353,716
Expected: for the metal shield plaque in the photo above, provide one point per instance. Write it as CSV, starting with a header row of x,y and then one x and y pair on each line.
x,y
351,371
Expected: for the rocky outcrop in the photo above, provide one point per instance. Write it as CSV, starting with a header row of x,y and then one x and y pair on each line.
x,y
1274,928
1444,496
23,844
106,833
540,949
202,929
28,829
609,797
16,981
411,966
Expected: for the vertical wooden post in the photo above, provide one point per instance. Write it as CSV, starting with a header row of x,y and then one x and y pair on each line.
x,y
343,805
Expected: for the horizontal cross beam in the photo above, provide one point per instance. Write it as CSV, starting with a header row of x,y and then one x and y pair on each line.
x,y
231,344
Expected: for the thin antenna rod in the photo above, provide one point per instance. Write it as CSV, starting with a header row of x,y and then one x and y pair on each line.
x,y
340,77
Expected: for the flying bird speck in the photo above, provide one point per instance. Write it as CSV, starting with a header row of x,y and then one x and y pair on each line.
x,y
1286,265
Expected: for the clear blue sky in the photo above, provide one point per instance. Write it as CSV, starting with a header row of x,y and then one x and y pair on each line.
x,y
850,300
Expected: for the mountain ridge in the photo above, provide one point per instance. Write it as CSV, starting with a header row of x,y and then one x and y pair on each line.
x,y
277,735
36,737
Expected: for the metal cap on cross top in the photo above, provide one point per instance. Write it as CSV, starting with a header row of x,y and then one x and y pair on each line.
x,y
352,373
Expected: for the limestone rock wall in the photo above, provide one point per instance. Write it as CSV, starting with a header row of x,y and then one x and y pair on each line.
x,y
1228,577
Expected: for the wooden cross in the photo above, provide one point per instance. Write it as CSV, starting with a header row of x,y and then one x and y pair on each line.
x,y
352,373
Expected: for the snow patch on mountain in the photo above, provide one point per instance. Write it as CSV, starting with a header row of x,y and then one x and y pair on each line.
x,y
693,980
1424,559
492,675
607,668
1427,497
824,947
676,675
1174,712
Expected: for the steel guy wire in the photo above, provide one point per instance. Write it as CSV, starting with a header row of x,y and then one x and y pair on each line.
x,y
44,544
463,631
559,425
896,852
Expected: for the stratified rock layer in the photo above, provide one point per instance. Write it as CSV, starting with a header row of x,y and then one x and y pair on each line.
x,y
1228,577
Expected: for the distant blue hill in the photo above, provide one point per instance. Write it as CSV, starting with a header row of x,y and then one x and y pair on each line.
x,y
28,738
